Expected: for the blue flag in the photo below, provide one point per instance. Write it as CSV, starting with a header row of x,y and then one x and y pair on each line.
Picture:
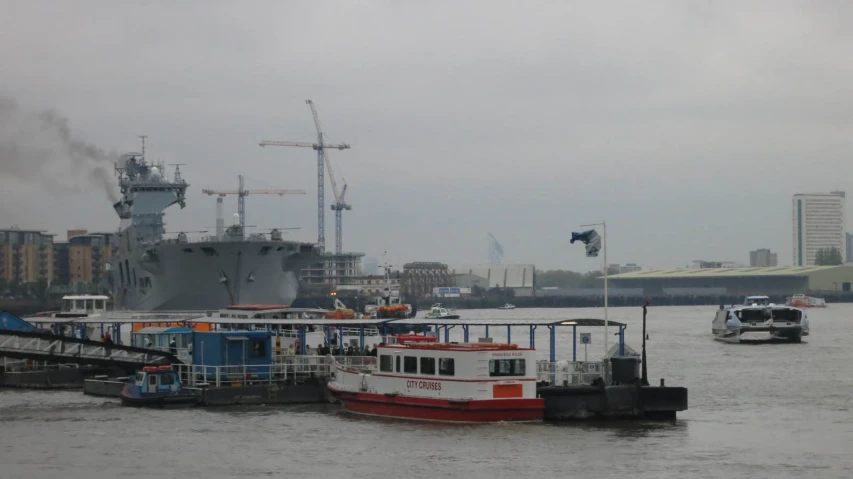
x,y
591,239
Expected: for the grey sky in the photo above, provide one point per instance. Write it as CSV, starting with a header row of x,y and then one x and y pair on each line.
x,y
688,126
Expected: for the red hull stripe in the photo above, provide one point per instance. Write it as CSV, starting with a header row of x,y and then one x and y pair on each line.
x,y
441,409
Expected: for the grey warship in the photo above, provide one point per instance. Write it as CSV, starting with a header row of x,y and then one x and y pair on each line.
x,y
154,273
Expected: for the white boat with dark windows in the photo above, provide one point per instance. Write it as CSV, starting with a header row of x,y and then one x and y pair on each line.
x,y
418,378
507,306
760,321
438,311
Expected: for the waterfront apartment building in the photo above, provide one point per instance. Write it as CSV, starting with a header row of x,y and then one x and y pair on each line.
x,y
762,258
26,256
819,222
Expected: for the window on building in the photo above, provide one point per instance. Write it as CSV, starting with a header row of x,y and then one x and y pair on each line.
x,y
410,365
386,364
506,367
446,367
427,365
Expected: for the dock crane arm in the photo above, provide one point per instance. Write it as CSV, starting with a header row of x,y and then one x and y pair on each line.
x,y
336,146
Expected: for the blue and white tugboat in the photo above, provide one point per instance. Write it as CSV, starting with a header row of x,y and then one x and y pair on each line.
x,y
156,387
760,321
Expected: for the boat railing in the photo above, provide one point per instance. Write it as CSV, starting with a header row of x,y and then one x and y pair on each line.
x,y
357,331
19,365
291,367
565,373
361,363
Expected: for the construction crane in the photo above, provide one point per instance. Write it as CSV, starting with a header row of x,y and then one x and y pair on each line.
x,y
320,146
242,193
339,206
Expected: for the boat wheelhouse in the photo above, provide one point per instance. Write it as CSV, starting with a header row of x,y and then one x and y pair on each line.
x,y
73,308
155,386
756,301
760,323
418,378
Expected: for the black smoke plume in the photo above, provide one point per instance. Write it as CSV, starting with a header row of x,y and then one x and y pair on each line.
x,y
39,148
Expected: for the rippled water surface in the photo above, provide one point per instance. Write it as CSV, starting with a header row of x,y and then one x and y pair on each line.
x,y
774,411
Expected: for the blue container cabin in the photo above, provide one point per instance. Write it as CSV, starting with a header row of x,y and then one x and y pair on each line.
x,y
233,355
156,387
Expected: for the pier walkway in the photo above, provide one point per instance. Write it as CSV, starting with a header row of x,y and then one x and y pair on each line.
x,y
68,350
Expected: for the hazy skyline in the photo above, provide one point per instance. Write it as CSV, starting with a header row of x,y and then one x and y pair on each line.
x,y
688,126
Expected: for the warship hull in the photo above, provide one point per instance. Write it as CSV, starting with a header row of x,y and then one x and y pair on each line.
x,y
209,275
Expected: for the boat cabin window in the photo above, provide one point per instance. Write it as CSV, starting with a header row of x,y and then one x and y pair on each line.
x,y
446,367
386,364
761,315
152,380
167,380
259,348
398,363
410,365
506,367
428,366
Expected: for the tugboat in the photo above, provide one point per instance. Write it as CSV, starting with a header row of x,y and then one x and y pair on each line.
x,y
418,378
156,387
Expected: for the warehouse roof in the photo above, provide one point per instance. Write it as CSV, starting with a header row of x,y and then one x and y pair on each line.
x,y
776,271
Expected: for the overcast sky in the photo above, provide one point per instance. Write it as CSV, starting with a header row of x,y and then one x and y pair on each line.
x,y
687,126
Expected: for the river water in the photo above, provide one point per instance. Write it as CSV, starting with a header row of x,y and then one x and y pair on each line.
x,y
774,411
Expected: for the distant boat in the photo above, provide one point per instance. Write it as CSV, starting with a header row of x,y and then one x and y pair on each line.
x,y
507,306
803,301
440,312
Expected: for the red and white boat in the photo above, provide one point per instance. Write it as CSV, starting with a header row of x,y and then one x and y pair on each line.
x,y
803,301
418,378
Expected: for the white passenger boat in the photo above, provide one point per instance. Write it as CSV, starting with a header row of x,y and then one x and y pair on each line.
x,y
418,378
507,306
760,321
437,311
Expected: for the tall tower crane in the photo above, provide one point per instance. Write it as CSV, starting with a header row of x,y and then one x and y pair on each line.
x,y
339,206
320,146
242,193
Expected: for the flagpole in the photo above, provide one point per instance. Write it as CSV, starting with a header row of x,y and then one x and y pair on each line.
x,y
603,225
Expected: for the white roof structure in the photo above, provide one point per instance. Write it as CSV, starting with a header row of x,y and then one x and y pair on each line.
x,y
503,275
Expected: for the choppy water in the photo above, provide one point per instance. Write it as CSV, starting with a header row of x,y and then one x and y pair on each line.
x,y
773,411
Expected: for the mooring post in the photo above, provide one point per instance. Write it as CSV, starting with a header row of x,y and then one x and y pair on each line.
x,y
645,373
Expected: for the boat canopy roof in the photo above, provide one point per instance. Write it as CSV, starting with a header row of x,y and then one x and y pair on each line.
x,y
163,330
85,296
454,346
590,322
257,307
